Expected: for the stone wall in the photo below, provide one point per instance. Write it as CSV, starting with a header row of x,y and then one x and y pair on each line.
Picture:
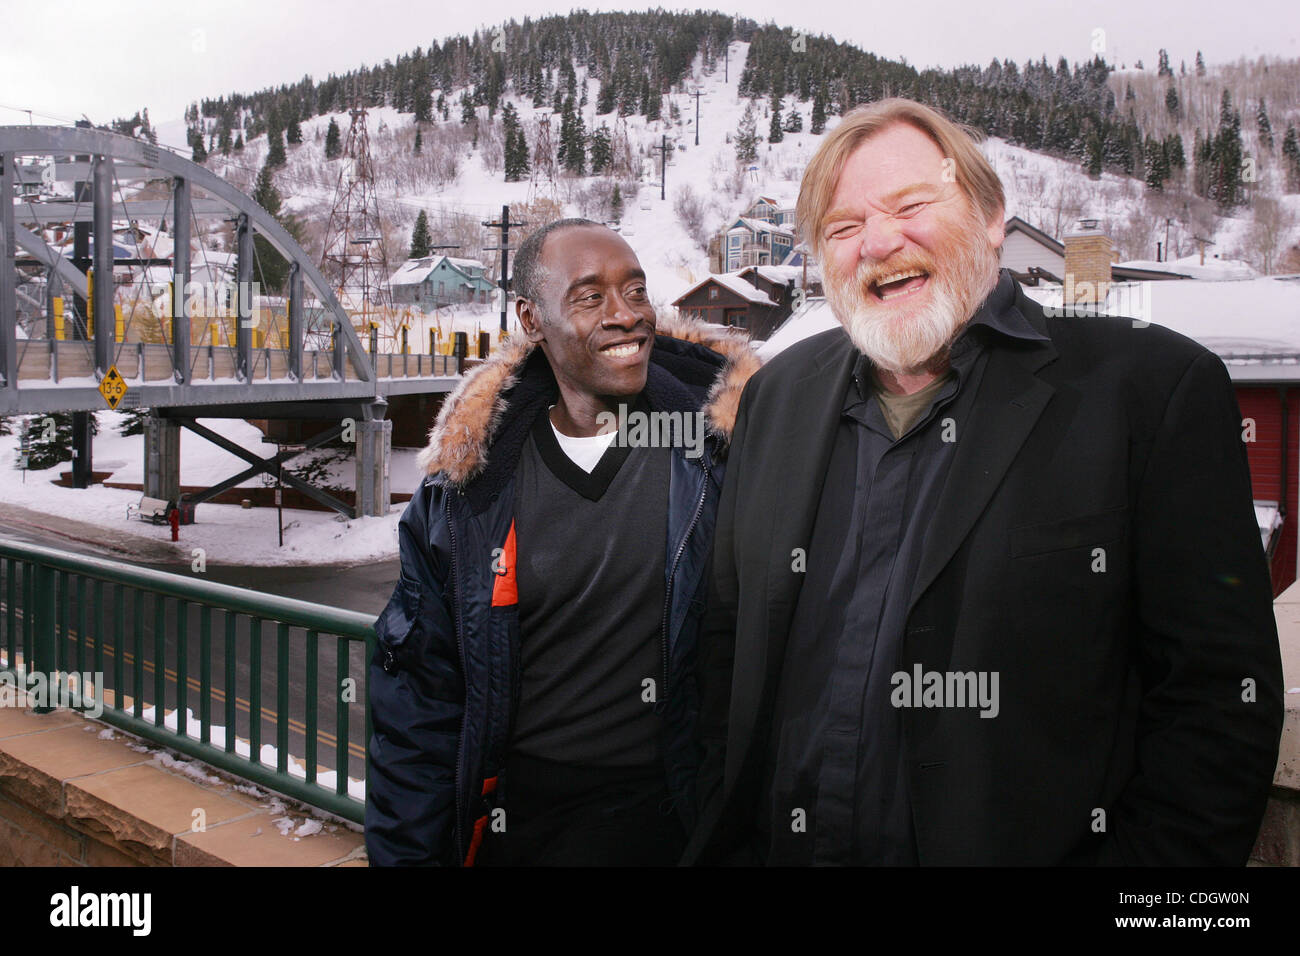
x,y
77,792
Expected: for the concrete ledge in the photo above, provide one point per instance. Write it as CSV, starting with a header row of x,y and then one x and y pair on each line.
x,y
77,792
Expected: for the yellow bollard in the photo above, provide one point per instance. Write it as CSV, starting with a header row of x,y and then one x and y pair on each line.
x,y
58,318
120,330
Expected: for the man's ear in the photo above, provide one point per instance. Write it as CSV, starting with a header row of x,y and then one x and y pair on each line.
x,y
530,319
997,228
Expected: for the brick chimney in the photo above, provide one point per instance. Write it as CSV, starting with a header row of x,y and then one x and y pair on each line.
x,y
1088,256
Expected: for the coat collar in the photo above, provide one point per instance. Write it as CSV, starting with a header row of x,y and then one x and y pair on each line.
x,y
1011,398
474,416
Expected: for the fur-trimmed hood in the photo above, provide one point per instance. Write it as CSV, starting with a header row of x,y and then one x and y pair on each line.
x,y
471,416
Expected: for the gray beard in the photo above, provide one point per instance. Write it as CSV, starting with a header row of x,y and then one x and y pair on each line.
x,y
904,340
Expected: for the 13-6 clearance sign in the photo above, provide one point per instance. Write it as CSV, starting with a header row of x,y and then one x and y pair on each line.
x,y
112,386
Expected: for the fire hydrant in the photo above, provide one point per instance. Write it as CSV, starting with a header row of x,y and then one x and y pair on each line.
x,y
174,519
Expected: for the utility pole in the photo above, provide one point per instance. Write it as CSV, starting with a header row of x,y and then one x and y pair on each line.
x,y
504,225
697,94
663,164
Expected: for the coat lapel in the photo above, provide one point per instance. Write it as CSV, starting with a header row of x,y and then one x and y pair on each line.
x,y
808,436
1011,398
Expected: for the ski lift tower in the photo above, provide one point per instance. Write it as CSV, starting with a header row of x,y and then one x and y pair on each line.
x,y
358,275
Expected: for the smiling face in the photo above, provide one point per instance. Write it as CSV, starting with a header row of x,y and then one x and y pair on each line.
x,y
908,258
594,320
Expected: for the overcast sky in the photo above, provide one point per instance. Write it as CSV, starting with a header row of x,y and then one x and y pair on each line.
x,y
109,58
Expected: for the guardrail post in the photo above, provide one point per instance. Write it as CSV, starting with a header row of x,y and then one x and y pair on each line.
x,y
44,646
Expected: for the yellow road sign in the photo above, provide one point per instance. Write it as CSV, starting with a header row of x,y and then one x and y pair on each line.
x,y
112,386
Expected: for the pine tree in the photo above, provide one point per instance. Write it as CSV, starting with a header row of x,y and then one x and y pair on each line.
x,y
293,135
1172,104
1291,159
147,130
1173,150
419,143
1095,151
270,268
132,422
423,103
818,124
774,132
223,141
793,120
1200,64
1226,183
275,157
467,114
1264,127
608,98
516,146
200,153
747,137
1157,169
601,151
239,143
1164,69
49,447
616,204
332,145
420,239
572,153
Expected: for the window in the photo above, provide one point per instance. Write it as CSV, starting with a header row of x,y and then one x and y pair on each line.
x,y
713,292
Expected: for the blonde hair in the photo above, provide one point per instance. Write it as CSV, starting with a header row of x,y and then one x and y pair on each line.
x,y
975,177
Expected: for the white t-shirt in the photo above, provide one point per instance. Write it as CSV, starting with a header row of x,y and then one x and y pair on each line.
x,y
584,452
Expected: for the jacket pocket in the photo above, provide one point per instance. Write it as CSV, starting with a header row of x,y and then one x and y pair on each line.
x,y
397,631
1076,531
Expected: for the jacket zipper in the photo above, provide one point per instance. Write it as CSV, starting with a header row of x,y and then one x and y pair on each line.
x,y
672,576
460,652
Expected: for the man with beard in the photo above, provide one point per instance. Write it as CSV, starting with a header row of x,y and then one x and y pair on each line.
x,y
987,586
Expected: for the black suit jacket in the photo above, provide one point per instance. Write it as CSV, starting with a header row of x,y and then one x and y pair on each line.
x,y
1095,545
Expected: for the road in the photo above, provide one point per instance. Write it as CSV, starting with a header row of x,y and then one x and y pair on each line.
x,y
364,588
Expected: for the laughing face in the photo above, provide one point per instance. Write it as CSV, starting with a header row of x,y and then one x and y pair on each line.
x,y
908,259
594,321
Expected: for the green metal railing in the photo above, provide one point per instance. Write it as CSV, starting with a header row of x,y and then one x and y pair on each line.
x,y
114,630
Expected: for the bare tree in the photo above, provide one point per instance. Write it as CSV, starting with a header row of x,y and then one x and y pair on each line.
x,y
1272,224
690,213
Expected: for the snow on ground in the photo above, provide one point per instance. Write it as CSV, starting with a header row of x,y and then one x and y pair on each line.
x,y
227,533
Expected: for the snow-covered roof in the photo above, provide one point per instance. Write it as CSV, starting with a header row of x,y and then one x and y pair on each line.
x,y
415,271
814,317
1242,320
778,274
733,282
1191,266
761,225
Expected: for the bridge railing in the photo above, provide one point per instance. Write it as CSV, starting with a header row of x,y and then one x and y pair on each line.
x,y
123,638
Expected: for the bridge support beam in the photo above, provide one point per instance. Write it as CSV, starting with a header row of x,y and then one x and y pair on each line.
x,y
244,312
374,448
162,458
83,467
295,321
180,280
103,295
8,280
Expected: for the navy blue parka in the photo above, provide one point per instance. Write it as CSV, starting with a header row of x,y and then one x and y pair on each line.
x,y
444,678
